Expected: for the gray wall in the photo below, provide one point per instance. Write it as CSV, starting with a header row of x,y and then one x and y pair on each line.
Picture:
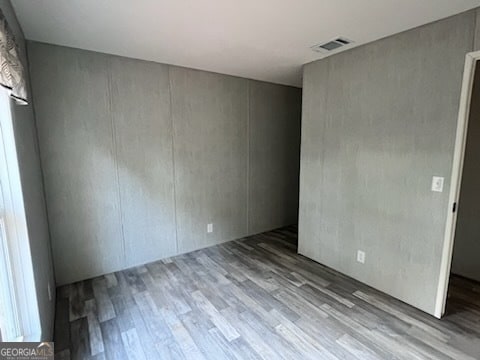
x,y
476,42
139,157
32,185
466,253
378,122
209,113
143,130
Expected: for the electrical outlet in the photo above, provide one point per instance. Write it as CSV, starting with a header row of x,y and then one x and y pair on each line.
x,y
209,228
49,292
437,183
361,256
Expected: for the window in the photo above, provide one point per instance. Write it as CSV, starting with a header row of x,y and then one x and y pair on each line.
x,y
19,317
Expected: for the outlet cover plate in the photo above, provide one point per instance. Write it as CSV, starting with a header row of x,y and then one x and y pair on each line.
x,y
437,183
361,256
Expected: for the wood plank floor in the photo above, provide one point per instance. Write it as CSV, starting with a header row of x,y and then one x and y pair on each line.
x,y
255,299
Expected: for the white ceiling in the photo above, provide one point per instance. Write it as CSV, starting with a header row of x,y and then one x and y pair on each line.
x,y
261,39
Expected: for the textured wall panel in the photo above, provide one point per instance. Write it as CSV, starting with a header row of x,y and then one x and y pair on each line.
x,y
476,44
77,148
210,138
141,111
379,121
137,153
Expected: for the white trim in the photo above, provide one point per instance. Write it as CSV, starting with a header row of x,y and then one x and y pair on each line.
x,y
455,181
8,302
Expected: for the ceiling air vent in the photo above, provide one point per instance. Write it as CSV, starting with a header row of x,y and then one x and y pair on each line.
x,y
331,45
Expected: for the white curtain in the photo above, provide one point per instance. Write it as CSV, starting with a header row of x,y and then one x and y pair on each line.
x,y
11,67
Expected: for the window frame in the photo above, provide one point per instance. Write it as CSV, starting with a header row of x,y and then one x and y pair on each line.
x,y
17,242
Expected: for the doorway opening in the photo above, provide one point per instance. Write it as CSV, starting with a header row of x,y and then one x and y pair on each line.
x,y
460,265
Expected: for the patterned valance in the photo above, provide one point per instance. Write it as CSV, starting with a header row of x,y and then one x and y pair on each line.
x,y
11,67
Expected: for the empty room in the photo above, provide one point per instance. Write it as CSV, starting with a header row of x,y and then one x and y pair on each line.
x,y
239,179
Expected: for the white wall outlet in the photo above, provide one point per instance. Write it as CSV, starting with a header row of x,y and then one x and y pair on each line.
x,y
437,183
209,228
361,256
49,292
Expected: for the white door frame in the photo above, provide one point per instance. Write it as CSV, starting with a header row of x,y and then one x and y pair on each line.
x,y
456,180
